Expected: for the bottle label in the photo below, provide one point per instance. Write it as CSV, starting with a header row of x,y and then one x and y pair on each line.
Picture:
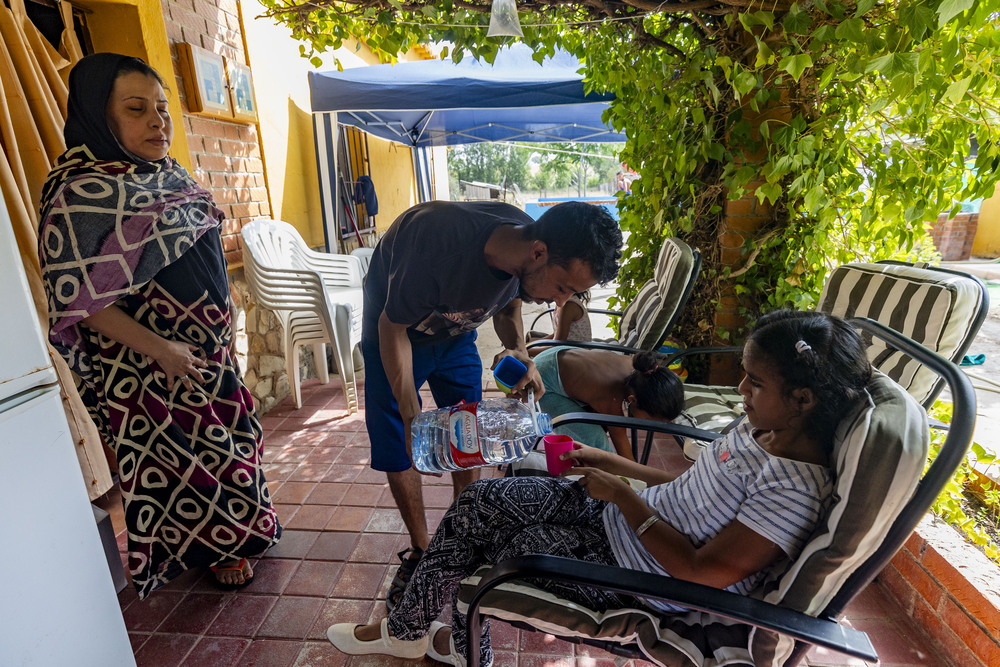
x,y
463,436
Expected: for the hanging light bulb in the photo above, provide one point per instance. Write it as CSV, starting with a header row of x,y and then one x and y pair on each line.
x,y
503,20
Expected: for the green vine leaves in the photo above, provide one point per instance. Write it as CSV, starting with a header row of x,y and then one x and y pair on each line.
x,y
781,142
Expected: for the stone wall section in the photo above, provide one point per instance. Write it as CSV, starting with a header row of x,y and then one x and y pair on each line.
x,y
226,159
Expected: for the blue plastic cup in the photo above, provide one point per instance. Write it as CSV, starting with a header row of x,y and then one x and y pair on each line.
x,y
508,373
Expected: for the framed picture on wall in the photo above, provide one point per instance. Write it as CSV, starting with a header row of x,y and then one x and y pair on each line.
x,y
241,92
205,81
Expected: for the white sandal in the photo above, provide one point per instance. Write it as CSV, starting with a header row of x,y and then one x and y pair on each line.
x,y
342,636
453,658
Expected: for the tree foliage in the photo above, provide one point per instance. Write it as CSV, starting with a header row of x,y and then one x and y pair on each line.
x,y
850,123
556,166
498,164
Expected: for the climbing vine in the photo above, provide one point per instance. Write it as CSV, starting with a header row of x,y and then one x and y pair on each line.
x,y
845,125
952,503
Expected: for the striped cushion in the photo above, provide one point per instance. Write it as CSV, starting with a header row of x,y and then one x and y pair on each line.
x,y
934,308
879,455
645,320
674,639
713,408
639,314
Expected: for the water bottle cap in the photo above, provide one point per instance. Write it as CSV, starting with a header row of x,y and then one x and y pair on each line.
x,y
543,423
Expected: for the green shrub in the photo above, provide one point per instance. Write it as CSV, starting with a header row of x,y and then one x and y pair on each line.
x,y
951,505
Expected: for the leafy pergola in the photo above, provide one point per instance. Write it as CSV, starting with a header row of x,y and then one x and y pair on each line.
x,y
781,138
367,16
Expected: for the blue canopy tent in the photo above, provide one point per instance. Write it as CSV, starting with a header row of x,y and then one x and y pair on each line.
x,y
440,102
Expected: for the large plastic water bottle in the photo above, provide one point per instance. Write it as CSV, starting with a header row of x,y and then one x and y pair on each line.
x,y
471,435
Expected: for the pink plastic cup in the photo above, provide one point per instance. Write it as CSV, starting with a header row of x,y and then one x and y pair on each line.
x,y
556,446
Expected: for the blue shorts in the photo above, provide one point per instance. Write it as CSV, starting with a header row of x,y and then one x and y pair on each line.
x,y
452,370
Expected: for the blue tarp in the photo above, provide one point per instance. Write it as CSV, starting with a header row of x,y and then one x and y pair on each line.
x,y
439,102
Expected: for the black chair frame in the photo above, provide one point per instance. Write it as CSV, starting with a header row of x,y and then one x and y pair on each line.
x,y
977,323
820,630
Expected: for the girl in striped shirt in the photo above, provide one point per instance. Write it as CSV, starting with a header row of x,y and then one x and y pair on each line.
x,y
752,497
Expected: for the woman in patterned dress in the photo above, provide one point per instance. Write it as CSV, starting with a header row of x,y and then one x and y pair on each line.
x,y
139,306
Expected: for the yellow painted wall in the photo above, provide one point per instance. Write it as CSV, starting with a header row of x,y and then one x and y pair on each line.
x,y
987,240
392,175
286,134
136,28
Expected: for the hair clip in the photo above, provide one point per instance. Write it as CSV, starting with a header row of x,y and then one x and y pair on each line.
x,y
651,370
802,346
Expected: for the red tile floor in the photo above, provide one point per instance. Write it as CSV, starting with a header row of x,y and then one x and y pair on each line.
x,y
338,554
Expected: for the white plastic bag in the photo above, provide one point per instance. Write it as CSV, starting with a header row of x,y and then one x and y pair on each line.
x,y
503,20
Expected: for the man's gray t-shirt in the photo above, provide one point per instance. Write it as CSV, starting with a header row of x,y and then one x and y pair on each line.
x,y
429,270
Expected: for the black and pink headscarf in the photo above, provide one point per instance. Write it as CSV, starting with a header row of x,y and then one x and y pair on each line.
x,y
109,221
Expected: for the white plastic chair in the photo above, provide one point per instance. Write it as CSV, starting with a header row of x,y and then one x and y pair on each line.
x,y
317,297
365,255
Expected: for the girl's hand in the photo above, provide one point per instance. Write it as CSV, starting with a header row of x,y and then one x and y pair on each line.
x,y
585,455
180,361
601,485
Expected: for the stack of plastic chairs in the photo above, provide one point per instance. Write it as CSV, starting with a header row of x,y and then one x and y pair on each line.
x,y
365,255
317,297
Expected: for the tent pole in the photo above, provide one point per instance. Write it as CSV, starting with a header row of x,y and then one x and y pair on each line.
x,y
369,218
326,165
416,174
332,180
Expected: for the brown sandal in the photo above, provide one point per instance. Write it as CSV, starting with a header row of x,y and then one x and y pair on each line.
x,y
402,577
239,567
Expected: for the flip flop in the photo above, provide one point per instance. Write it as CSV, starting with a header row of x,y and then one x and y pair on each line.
x,y
402,576
239,567
973,360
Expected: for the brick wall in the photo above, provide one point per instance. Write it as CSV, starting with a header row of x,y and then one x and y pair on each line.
x,y
226,159
742,217
953,238
950,589
225,155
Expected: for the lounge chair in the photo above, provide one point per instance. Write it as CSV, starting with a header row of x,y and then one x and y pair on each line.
x,y
651,315
939,308
881,492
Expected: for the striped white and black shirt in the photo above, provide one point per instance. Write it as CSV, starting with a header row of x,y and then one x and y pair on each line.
x,y
733,479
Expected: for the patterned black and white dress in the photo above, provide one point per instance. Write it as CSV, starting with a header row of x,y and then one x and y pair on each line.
x,y
147,239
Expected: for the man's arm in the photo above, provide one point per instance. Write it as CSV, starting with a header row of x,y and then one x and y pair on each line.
x,y
510,330
397,360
